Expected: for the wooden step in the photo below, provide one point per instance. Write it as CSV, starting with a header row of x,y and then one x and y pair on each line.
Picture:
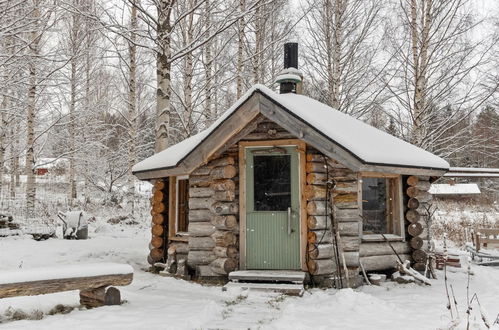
x,y
267,276
289,289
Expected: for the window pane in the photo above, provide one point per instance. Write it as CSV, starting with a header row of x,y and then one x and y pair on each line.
x,y
374,205
183,205
272,182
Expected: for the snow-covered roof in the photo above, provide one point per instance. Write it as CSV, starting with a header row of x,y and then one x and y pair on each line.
x,y
368,144
454,189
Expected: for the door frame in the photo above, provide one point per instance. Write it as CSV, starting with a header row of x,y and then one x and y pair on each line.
x,y
300,149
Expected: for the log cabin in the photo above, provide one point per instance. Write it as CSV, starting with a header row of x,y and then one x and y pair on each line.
x,y
283,182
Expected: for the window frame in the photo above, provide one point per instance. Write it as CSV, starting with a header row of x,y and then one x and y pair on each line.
x,y
395,208
174,234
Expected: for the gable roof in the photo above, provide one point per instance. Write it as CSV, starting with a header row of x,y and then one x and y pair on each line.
x,y
349,140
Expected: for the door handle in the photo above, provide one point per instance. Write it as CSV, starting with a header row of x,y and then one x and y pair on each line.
x,y
289,220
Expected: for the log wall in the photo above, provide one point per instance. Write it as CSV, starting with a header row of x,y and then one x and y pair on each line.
x,y
417,218
325,176
159,223
213,217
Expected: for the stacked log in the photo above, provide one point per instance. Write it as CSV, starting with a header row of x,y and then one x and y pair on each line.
x,y
159,224
417,217
342,205
213,224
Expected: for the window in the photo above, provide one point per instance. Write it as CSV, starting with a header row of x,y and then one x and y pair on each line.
x,y
179,207
381,205
272,182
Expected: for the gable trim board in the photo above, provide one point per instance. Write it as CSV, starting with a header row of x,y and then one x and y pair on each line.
x,y
260,99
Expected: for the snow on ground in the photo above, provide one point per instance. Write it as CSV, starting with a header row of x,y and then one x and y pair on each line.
x,y
155,302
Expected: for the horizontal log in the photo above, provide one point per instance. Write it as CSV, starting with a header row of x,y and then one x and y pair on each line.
x,y
224,238
346,201
202,170
419,256
415,229
350,243
156,254
382,248
319,158
346,187
223,172
315,222
420,195
226,252
340,213
65,284
266,136
382,262
180,247
225,208
205,271
159,185
317,207
199,203
201,243
224,195
223,265
223,161
320,237
221,185
200,215
315,192
200,181
316,167
158,219
158,196
200,192
412,216
225,222
321,251
200,257
413,203
321,266
317,178
201,229
157,230
157,241
349,228
416,243
159,207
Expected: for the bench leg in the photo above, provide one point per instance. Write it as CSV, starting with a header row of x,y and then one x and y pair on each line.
x,y
100,297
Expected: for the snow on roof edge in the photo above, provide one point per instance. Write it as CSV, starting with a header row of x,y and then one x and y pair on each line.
x,y
174,155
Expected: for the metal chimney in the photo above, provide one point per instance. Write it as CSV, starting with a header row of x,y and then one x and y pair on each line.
x,y
290,79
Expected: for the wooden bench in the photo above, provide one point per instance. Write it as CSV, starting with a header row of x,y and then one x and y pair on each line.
x,y
92,280
486,236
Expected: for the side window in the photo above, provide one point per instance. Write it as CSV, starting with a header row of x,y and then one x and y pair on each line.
x,y
380,197
182,205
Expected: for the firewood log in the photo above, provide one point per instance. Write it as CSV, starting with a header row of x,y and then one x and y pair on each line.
x,y
419,256
158,196
93,298
321,251
159,185
412,216
223,265
320,237
317,207
315,222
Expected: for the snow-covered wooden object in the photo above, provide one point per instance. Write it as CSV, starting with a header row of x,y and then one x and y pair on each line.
x,y
90,279
75,224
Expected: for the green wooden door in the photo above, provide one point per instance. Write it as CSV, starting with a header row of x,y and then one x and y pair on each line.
x,y
272,208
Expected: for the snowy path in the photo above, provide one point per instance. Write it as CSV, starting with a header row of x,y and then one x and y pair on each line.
x,y
155,302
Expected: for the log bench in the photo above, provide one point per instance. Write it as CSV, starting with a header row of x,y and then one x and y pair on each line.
x,y
94,281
